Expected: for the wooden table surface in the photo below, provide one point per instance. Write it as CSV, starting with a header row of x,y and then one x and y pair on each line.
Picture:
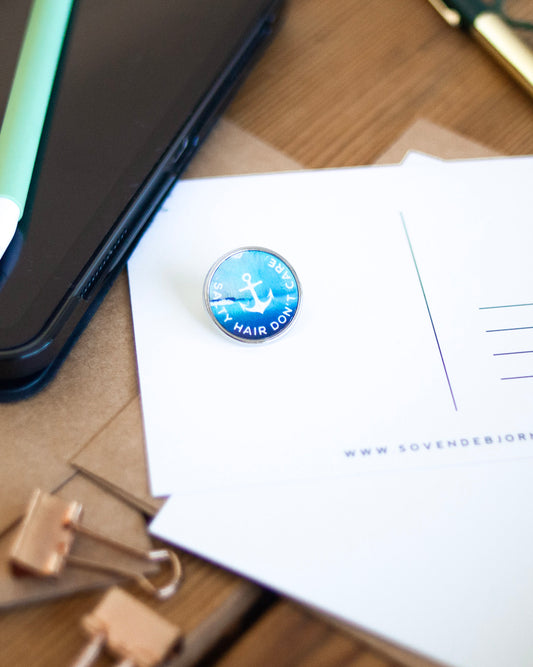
x,y
341,81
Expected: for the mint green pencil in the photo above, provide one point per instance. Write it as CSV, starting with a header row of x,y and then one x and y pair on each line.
x,y
26,108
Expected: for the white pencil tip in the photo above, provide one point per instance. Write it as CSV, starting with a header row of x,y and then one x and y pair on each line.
x,y
9,217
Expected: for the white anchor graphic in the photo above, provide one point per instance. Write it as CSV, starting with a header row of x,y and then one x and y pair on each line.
x,y
259,306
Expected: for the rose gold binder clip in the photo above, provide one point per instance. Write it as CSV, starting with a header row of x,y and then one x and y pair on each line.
x,y
129,631
43,542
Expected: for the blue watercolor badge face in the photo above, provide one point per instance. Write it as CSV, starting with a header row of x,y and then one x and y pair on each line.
x,y
252,294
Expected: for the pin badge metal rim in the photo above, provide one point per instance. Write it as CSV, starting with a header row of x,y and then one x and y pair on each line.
x,y
210,275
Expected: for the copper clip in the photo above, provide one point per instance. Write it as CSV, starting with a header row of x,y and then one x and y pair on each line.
x,y
43,542
129,631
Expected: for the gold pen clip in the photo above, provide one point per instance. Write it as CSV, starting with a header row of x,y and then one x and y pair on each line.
x,y
451,16
43,542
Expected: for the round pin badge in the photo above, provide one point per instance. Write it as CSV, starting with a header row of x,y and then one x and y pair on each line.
x,y
252,294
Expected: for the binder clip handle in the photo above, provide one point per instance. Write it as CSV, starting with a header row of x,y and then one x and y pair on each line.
x,y
43,545
162,592
166,591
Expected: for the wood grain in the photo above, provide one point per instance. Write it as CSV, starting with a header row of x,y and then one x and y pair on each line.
x,y
289,636
345,77
339,83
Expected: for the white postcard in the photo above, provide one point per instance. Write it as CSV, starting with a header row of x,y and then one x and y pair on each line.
x,y
414,343
435,559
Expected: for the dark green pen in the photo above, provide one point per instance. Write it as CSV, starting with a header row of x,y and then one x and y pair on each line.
x,y
493,33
